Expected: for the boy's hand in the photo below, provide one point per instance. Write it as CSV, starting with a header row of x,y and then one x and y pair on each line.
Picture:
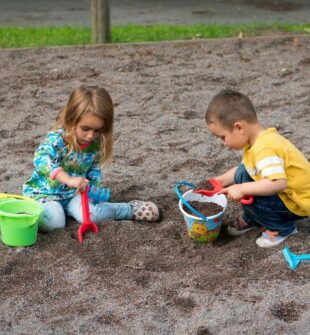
x,y
78,182
233,192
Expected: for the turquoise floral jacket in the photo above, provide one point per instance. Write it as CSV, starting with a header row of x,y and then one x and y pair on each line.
x,y
50,156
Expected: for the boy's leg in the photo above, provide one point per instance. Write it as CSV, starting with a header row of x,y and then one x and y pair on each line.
x,y
269,212
242,224
241,175
52,217
99,212
279,222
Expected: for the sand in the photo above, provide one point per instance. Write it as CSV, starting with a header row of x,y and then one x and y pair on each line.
x,y
146,278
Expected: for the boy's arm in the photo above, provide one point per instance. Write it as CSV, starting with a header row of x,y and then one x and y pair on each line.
x,y
227,178
263,187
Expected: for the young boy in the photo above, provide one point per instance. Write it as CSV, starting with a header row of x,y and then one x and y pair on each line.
x,y
273,170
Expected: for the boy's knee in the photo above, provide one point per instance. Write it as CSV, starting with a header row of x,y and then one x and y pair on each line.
x,y
53,217
241,175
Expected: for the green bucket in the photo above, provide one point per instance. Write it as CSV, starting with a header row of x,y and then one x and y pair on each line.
x,y
19,222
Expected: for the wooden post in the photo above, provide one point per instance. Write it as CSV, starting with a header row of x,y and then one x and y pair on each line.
x,y
100,21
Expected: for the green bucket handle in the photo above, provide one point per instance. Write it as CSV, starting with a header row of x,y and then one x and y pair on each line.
x,y
7,196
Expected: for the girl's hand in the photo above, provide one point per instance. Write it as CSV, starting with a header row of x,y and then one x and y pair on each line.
x,y
78,182
233,192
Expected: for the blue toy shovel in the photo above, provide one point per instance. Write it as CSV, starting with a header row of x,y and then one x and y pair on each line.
x,y
99,194
177,191
294,260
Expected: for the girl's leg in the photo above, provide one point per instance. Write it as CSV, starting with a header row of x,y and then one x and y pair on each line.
x,y
134,210
52,217
144,211
99,212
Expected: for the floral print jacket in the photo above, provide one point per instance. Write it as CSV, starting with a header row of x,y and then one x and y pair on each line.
x,y
52,155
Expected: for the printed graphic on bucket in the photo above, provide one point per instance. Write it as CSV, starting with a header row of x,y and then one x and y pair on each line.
x,y
199,229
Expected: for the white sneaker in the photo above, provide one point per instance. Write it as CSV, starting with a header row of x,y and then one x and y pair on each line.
x,y
272,238
144,210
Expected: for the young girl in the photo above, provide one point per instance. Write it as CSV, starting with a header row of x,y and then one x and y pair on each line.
x,y
70,159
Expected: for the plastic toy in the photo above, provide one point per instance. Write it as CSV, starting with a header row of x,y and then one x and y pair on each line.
x,y
177,191
19,221
200,228
217,186
99,194
292,259
87,224
13,196
247,200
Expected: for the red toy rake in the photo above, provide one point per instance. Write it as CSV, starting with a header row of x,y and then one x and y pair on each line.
x,y
87,224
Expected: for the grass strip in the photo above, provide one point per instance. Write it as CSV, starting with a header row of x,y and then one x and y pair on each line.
x,y
24,37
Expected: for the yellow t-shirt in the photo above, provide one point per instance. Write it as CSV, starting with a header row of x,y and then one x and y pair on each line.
x,y
274,157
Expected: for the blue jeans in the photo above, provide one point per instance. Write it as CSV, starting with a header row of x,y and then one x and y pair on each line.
x,y
267,211
55,212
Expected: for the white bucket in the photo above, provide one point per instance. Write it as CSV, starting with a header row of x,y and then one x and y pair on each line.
x,y
203,230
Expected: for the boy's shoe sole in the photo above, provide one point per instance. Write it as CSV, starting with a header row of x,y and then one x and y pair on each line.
x,y
238,232
268,240
244,227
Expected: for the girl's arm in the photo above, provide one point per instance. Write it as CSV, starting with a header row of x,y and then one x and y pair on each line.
x,y
263,187
227,178
78,182
47,162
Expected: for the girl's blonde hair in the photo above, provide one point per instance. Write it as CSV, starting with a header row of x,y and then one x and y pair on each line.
x,y
88,100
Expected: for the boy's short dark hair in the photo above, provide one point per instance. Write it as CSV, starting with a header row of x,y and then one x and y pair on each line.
x,y
230,106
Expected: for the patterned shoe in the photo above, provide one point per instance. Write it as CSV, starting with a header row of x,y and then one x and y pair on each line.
x,y
272,238
144,210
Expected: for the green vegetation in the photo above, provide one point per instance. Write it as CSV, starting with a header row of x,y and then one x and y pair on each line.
x,y
21,37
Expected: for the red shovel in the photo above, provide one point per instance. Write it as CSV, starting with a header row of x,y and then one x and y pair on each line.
x,y
87,224
217,186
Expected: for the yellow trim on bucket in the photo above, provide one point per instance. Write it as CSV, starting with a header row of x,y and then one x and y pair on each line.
x,y
14,196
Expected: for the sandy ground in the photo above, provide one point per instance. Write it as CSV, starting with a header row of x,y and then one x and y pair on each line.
x,y
141,278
